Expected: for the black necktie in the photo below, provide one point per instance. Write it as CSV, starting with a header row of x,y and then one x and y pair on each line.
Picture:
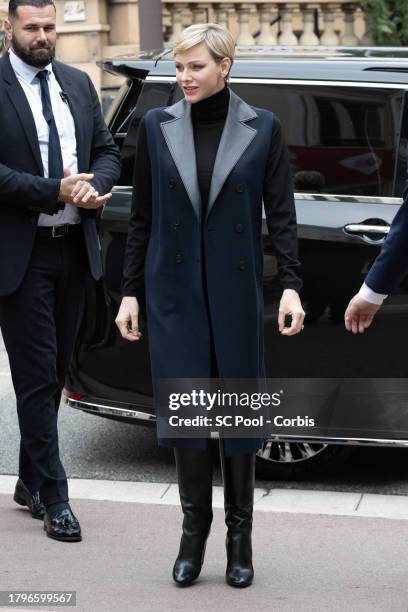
x,y
55,163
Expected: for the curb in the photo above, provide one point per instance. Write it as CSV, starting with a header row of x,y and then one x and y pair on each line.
x,y
273,500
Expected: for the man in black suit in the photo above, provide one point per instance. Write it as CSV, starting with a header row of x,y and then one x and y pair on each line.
x,y
58,163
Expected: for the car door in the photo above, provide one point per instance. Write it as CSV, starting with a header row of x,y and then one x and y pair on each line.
x,y
348,158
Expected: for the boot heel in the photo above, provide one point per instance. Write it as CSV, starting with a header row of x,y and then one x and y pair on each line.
x,y
204,547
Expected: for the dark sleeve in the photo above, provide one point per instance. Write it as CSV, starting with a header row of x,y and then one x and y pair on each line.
x,y
29,191
140,221
391,265
105,155
280,210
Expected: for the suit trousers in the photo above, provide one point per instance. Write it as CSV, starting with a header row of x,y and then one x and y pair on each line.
x,y
39,323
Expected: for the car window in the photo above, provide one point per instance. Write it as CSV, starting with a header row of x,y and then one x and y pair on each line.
x,y
401,183
150,96
122,108
342,140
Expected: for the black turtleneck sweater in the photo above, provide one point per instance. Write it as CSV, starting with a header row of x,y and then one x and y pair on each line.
x,y
208,118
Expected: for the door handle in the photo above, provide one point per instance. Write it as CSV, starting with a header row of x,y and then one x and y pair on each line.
x,y
366,230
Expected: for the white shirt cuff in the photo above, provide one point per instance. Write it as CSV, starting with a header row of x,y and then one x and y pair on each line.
x,y
371,296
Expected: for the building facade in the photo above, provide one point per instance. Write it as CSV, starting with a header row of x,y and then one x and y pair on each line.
x,y
91,30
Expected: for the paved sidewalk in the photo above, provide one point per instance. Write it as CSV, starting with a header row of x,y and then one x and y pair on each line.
x,y
312,550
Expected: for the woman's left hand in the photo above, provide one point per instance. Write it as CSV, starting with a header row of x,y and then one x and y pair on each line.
x,y
290,304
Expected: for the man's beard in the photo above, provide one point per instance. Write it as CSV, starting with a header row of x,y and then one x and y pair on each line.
x,y
36,58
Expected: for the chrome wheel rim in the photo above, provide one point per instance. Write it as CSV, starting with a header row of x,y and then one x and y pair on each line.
x,y
285,452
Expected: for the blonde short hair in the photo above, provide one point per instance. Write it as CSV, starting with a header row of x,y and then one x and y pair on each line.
x,y
218,40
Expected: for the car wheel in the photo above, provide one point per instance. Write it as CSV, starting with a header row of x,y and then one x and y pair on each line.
x,y
299,460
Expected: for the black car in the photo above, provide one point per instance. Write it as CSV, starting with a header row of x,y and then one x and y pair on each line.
x,y
344,115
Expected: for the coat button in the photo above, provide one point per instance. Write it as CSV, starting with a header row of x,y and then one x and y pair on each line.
x,y
238,228
241,264
172,183
176,223
240,188
179,258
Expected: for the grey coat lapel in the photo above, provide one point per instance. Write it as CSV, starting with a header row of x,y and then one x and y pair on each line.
x,y
178,133
235,138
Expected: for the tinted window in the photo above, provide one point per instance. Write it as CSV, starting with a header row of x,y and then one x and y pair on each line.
x,y
151,96
341,139
122,108
401,183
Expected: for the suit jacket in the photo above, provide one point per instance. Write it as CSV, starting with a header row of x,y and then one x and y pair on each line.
x,y
391,264
24,192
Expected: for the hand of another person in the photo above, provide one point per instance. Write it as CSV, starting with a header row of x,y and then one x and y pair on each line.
x,y
127,319
76,189
84,195
359,314
290,304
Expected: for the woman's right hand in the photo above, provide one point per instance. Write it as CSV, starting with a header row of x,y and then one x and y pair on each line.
x,y
127,319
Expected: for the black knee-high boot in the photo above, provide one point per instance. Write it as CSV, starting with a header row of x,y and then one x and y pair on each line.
x,y
238,473
194,472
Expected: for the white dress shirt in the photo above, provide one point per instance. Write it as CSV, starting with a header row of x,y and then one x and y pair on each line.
x,y
26,76
371,296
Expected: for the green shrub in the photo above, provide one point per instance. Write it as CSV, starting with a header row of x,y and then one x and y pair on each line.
x,y
387,21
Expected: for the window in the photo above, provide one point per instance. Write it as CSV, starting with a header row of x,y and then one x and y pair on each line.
x,y
151,95
342,140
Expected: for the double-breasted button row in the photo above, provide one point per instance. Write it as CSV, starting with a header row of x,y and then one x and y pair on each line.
x,y
179,258
241,265
172,183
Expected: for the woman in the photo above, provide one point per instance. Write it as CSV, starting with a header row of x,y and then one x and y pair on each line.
x,y
202,168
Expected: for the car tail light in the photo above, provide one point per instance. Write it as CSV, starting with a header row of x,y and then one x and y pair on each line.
x,y
73,394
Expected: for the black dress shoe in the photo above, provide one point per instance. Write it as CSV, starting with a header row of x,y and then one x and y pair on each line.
x,y
63,526
24,497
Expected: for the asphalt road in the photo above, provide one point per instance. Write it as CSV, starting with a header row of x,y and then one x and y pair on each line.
x,y
307,562
93,447
302,562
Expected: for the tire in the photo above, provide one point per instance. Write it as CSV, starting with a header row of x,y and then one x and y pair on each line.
x,y
300,460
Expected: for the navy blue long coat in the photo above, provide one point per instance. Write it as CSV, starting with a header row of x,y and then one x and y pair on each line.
x,y
164,244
